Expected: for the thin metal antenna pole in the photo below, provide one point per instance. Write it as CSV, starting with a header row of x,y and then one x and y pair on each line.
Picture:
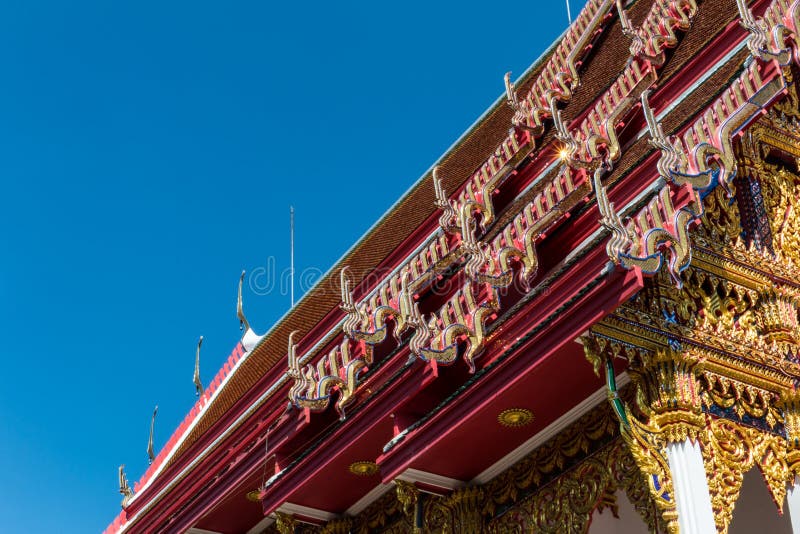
x,y
569,15
291,252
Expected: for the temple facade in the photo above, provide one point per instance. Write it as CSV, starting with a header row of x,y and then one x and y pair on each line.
x,y
583,319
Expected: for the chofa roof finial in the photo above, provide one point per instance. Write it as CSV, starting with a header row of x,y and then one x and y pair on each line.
x,y
198,384
243,324
151,455
124,488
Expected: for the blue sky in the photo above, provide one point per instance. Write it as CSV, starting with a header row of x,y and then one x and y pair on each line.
x,y
149,151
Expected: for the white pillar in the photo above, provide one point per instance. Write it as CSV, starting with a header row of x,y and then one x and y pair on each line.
x,y
693,501
793,505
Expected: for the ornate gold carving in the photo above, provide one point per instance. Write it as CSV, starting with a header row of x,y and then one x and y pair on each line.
x,y
672,161
586,434
385,515
668,391
777,316
338,526
515,417
364,468
313,387
790,403
729,451
285,523
743,399
448,220
458,512
559,77
566,504
781,197
368,327
765,42
658,29
407,496
450,324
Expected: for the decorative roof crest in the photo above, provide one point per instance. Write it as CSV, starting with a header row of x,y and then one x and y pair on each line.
x,y
151,455
124,488
198,385
673,160
448,220
243,324
249,338
761,36
521,112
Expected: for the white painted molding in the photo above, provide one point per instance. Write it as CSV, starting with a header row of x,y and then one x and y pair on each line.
x,y
305,511
430,479
261,525
368,499
550,431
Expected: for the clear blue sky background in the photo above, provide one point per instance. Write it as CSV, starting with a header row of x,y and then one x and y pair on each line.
x,y
149,151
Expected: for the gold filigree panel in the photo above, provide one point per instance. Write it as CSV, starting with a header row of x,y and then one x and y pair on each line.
x,y
729,451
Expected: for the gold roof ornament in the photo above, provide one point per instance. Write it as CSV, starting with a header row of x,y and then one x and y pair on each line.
x,y
520,109
448,220
515,417
363,468
198,385
249,338
151,455
243,324
124,488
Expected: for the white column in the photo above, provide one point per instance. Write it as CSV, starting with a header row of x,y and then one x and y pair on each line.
x,y
695,515
793,505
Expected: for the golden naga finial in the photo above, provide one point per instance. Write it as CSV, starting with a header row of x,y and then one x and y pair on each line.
x,y
625,21
151,455
629,31
474,248
570,144
243,324
621,239
352,321
520,113
124,488
198,385
758,42
300,380
294,365
672,160
448,220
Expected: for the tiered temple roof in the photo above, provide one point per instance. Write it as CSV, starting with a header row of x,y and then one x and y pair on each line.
x,y
583,180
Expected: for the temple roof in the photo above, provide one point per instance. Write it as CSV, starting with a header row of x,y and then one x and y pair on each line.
x,y
255,371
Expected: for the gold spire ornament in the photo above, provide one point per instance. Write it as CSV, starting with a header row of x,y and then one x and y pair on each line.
x,y
124,488
243,324
198,385
151,455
